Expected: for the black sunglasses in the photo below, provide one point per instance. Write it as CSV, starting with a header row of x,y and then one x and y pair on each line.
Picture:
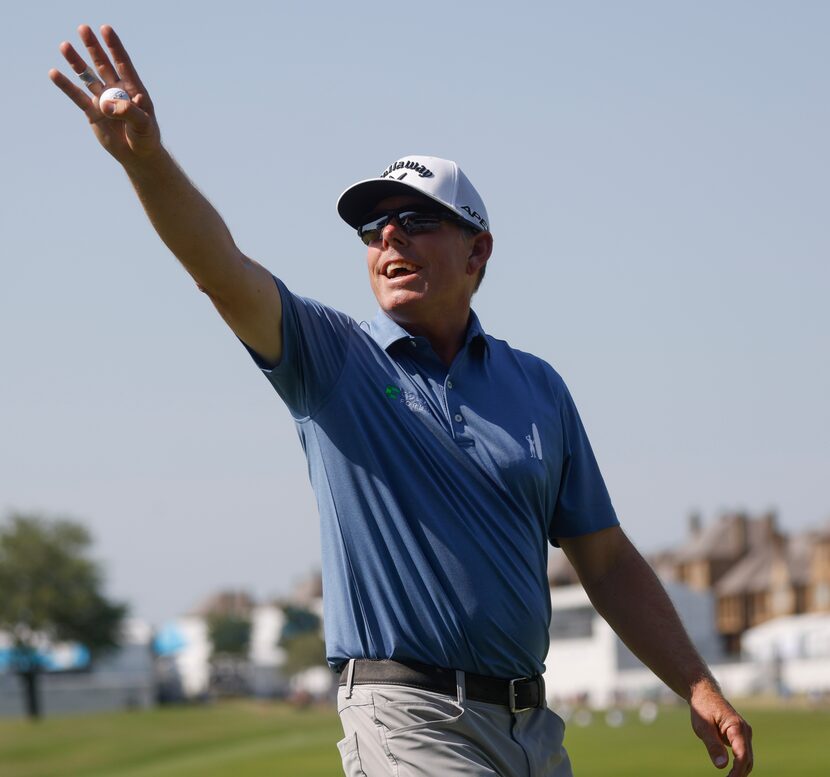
x,y
412,222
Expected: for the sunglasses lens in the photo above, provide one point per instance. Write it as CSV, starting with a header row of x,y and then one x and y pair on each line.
x,y
370,231
369,236
412,222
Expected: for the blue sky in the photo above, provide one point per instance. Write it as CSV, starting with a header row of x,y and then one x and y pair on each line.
x,y
657,180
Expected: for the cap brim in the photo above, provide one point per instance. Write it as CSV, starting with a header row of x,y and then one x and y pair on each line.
x,y
359,199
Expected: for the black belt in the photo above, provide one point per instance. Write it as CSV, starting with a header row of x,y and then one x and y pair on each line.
x,y
521,693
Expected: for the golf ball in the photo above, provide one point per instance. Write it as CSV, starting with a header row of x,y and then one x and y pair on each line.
x,y
110,95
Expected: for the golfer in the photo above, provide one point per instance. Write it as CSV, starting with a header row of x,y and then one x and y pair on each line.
x,y
443,462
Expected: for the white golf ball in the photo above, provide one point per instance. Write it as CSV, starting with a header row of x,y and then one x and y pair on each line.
x,y
110,95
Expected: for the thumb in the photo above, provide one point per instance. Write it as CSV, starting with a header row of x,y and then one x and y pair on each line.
x,y
128,112
711,741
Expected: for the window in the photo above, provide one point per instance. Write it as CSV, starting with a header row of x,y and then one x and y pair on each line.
x,y
573,623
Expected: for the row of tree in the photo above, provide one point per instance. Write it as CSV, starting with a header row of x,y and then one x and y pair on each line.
x,y
229,633
51,592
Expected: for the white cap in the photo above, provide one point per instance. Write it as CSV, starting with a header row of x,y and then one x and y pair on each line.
x,y
439,179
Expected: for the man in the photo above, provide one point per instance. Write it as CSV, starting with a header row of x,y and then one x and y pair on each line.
x,y
443,461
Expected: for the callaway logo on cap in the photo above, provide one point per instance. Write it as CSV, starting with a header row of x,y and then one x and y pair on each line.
x,y
439,179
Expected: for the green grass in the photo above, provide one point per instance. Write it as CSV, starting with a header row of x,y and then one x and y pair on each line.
x,y
247,739
787,743
241,739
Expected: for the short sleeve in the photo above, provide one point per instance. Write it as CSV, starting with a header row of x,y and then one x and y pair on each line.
x,y
582,505
315,343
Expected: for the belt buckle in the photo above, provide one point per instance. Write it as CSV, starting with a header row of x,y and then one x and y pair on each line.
x,y
511,695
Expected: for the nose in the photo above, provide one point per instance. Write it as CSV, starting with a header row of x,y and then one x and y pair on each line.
x,y
392,233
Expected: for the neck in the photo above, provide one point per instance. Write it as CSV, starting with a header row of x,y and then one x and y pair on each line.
x,y
446,336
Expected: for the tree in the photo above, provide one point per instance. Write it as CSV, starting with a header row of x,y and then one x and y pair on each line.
x,y
50,591
230,635
301,639
228,617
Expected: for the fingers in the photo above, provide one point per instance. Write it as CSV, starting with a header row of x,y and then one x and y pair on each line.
x,y
739,738
718,725
97,54
123,63
122,74
126,128
712,742
123,110
73,92
78,65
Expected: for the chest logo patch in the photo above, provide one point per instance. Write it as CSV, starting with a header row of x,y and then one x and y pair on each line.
x,y
534,442
409,398
414,402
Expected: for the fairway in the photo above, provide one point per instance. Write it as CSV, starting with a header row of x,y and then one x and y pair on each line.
x,y
248,739
243,739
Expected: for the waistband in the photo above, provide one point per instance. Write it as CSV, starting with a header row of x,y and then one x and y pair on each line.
x,y
517,694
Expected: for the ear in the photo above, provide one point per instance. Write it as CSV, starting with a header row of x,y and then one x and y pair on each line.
x,y
481,246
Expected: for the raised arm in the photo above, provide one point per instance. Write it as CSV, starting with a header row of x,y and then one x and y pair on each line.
x,y
242,290
626,592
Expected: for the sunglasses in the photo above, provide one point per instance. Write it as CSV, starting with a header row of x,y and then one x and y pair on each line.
x,y
413,222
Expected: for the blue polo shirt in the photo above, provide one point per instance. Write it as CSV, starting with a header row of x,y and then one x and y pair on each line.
x,y
438,489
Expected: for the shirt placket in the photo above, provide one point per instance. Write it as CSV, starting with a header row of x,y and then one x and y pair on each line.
x,y
453,402
444,387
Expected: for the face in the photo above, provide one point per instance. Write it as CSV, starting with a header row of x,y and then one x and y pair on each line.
x,y
427,277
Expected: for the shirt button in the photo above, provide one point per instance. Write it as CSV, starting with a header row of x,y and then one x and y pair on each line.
x,y
449,384
458,417
413,343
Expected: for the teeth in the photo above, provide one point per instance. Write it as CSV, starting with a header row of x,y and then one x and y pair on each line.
x,y
399,265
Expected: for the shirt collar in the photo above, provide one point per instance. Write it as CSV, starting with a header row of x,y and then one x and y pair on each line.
x,y
386,332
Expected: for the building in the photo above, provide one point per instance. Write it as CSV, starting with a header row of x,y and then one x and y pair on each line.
x,y
755,571
771,582
793,653
588,663
818,580
711,552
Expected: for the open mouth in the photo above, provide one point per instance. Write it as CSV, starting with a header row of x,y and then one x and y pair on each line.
x,y
399,269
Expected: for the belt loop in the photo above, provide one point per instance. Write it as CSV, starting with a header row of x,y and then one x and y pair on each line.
x,y
461,686
350,678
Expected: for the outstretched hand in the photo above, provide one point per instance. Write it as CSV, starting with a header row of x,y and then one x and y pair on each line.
x,y
128,130
719,726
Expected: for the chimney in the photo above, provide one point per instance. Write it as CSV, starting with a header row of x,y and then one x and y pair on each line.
x,y
695,525
740,532
769,521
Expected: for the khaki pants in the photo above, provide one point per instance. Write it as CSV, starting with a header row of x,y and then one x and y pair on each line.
x,y
392,731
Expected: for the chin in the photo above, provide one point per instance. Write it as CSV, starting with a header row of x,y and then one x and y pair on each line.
x,y
399,299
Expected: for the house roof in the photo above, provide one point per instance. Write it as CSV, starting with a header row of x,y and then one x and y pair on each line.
x,y
729,537
226,603
752,573
755,572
